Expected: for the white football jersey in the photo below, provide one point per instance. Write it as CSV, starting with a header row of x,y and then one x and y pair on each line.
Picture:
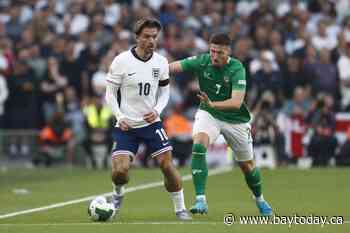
x,y
139,81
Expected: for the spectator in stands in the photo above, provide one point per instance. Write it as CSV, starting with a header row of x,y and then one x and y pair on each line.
x,y
14,26
85,35
323,141
300,103
179,131
310,59
267,76
344,75
295,110
74,115
265,131
72,67
263,125
100,34
323,74
52,88
56,142
322,40
242,53
40,23
261,37
36,62
76,20
22,107
294,76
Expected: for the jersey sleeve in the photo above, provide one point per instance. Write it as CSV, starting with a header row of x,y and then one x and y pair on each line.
x,y
116,71
239,82
191,64
165,73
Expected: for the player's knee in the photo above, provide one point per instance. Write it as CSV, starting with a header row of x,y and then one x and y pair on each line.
x,y
199,149
120,170
165,161
201,138
120,176
247,166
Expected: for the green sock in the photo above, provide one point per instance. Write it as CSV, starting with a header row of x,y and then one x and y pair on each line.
x,y
253,179
199,168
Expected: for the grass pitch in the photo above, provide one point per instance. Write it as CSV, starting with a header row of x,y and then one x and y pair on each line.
x,y
322,192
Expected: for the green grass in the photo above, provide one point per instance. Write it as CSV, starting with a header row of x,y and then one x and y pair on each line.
x,y
318,191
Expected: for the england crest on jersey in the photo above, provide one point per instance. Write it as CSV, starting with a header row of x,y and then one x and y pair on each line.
x,y
155,73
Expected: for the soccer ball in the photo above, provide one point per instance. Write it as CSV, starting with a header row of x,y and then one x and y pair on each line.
x,y
100,210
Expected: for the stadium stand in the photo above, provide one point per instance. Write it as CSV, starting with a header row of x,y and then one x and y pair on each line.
x,y
54,56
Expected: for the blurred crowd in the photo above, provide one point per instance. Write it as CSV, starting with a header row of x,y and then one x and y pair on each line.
x,y
54,55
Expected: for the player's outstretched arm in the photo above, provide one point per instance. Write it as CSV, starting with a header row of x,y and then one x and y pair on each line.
x,y
175,67
234,102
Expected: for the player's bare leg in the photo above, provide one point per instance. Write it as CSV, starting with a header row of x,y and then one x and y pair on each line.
x,y
173,184
254,182
172,178
199,172
120,177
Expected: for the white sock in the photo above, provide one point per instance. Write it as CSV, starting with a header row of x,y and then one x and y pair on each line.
x,y
201,197
178,200
261,198
118,189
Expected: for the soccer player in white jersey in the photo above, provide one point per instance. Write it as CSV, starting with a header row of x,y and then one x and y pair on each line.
x,y
142,76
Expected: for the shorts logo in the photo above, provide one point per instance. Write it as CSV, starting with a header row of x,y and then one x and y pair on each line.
x,y
155,73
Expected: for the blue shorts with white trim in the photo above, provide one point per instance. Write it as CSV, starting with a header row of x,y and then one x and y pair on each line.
x,y
127,142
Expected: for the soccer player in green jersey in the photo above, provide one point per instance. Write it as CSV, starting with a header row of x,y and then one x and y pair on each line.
x,y
222,111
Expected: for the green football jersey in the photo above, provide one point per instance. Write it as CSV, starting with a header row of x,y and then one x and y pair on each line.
x,y
218,84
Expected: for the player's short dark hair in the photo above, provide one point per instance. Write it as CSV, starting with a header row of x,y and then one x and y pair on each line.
x,y
146,23
220,39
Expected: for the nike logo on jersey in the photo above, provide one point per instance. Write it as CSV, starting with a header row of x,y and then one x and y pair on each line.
x,y
131,74
166,143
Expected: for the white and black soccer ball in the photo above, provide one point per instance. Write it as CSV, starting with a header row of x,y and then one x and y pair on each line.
x,y
100,210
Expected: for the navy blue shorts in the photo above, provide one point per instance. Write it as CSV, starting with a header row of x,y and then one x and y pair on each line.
x,y
127,142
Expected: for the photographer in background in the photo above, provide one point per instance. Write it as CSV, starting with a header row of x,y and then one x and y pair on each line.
x,y
321,119
265,131
56,142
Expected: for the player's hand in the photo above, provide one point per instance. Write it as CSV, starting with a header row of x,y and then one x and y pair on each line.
x,y
123,125
151,116
203,97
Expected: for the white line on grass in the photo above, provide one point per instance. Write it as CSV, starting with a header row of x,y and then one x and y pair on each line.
x,y
128,190
70,224
112,223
